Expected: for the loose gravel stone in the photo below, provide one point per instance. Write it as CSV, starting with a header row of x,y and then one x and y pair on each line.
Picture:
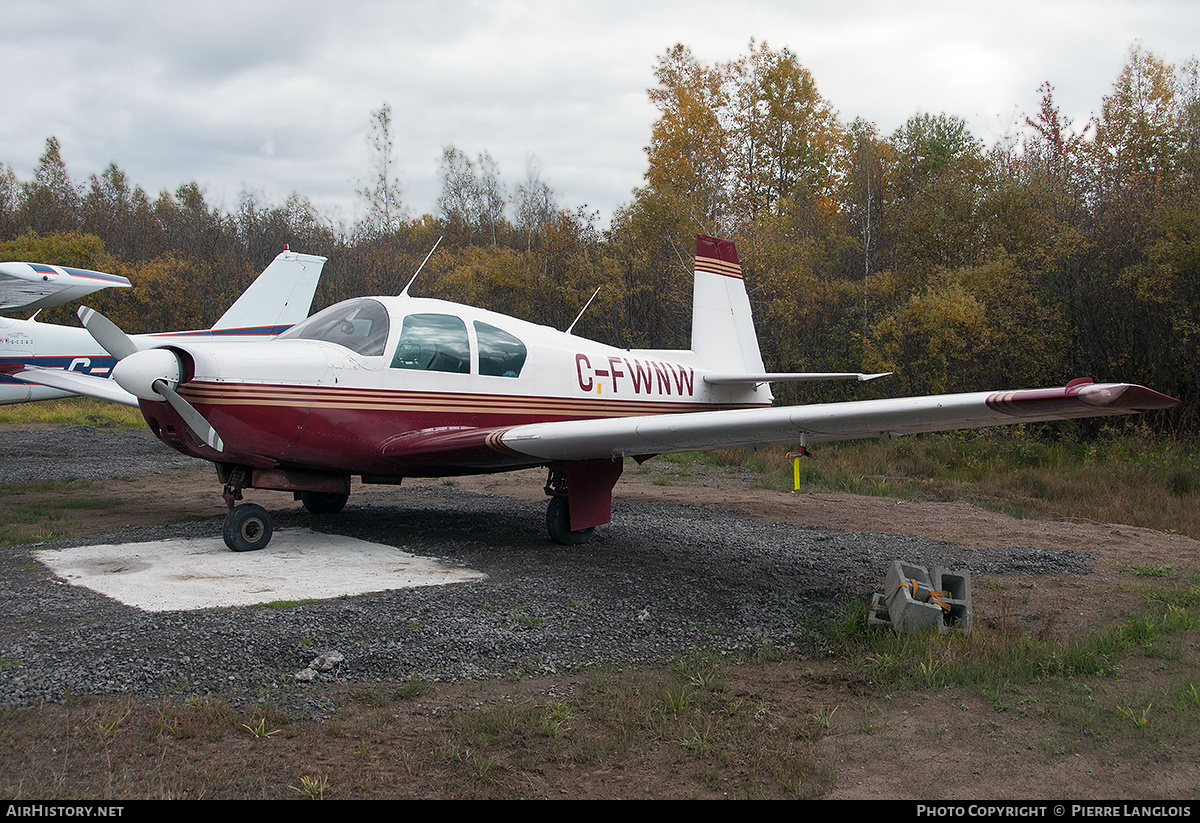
x,y
660,581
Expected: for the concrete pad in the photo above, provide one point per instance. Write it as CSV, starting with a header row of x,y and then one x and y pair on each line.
x,y
299,564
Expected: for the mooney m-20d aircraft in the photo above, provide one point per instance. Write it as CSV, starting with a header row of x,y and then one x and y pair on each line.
x,y
279,298
392,387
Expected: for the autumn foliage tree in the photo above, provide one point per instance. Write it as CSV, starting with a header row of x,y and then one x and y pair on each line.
x,y
1066,249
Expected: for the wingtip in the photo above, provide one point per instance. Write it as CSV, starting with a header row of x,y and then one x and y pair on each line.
x,y
1126,396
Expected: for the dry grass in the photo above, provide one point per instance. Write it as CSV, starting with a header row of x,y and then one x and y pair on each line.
x,y
1126,477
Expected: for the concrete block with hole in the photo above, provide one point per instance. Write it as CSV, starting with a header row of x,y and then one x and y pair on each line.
x,y
917,599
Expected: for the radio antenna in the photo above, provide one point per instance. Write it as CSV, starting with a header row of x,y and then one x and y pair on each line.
x,y
404,291
585,308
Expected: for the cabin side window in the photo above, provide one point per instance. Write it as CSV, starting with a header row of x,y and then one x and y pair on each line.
x,y
433,342
500,354
359,325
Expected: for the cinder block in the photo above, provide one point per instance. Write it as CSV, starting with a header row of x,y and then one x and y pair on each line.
x,y
913,599
957,588
877,616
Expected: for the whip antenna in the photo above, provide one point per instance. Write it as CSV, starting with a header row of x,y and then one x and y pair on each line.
x,y
585,308
404,291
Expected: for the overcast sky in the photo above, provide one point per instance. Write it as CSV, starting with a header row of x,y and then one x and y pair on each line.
x,y
276,97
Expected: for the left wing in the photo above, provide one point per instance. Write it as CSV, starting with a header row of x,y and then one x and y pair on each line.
x,y
752,428
39,286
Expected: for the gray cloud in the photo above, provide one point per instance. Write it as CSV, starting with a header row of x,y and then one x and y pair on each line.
x,y
276,97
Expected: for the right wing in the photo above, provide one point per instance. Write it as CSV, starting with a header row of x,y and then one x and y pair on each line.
x,y
607,438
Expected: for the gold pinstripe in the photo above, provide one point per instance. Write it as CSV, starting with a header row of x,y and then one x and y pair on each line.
x,y
712,265
243,394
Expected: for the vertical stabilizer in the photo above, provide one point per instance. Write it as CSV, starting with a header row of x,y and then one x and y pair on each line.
x,y
723,336
280,297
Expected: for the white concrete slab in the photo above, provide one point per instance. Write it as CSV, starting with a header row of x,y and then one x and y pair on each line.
x,y
299,564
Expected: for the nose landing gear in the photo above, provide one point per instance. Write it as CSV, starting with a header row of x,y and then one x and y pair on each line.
x,y
247,528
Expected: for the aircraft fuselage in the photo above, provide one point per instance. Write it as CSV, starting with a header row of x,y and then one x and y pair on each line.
x,y
416,387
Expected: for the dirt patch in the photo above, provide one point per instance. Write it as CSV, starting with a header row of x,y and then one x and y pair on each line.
x,y
927,744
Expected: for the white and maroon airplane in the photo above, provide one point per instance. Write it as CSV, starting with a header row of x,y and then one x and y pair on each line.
x,y
385,388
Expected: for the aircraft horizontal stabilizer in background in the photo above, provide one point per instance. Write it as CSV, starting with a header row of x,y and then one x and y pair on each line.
x,y
385,388
59,356
39,286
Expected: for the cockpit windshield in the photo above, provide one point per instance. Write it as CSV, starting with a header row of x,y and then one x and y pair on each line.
x,y
360,325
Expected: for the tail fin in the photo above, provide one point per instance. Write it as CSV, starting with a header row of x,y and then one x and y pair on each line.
x,y
723,336
280,297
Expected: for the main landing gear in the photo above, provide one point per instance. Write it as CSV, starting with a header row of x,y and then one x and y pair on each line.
x,y
581,496
558,524
323,502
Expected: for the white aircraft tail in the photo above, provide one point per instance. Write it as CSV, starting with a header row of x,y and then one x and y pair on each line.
x,y
723,336
280,297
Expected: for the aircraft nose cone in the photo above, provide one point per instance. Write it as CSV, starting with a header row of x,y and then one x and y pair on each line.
x,y
137,372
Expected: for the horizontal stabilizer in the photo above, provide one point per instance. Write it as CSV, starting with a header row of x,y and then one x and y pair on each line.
x,y
789,377
39,286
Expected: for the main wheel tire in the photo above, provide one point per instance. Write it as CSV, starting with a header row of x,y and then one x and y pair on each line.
x,y
558,523
247,528
324,502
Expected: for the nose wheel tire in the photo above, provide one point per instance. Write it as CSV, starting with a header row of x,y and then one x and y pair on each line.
x,y
247,528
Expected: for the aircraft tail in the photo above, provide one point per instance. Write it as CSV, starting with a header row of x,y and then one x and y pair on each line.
x,y
280,297
723,336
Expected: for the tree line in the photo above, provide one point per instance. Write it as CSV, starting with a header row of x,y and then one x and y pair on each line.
x,y
1064,249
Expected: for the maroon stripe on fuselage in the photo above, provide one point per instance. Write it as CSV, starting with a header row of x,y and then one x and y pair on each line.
x,y
377,431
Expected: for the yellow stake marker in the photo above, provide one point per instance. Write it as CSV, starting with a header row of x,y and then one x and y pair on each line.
x,y
795,457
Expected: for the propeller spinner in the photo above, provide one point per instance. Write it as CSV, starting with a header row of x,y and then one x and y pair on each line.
x,y
150,374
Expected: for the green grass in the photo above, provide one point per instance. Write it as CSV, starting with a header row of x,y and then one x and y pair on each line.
x,y
36,521
73,411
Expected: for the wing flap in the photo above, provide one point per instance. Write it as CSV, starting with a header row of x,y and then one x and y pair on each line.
x,y
752,428
789,377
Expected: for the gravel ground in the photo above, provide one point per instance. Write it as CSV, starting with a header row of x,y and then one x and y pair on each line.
x,y
663,579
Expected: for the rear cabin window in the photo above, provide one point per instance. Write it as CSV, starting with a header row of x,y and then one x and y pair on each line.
x,y
500,354
360,325
433,342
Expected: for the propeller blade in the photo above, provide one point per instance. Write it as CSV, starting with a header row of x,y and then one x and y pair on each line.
x,y
106,333
195,421
157,367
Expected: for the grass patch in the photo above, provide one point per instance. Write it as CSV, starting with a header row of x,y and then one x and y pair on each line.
x,y
25,518
1000,662
1122,476
72,411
